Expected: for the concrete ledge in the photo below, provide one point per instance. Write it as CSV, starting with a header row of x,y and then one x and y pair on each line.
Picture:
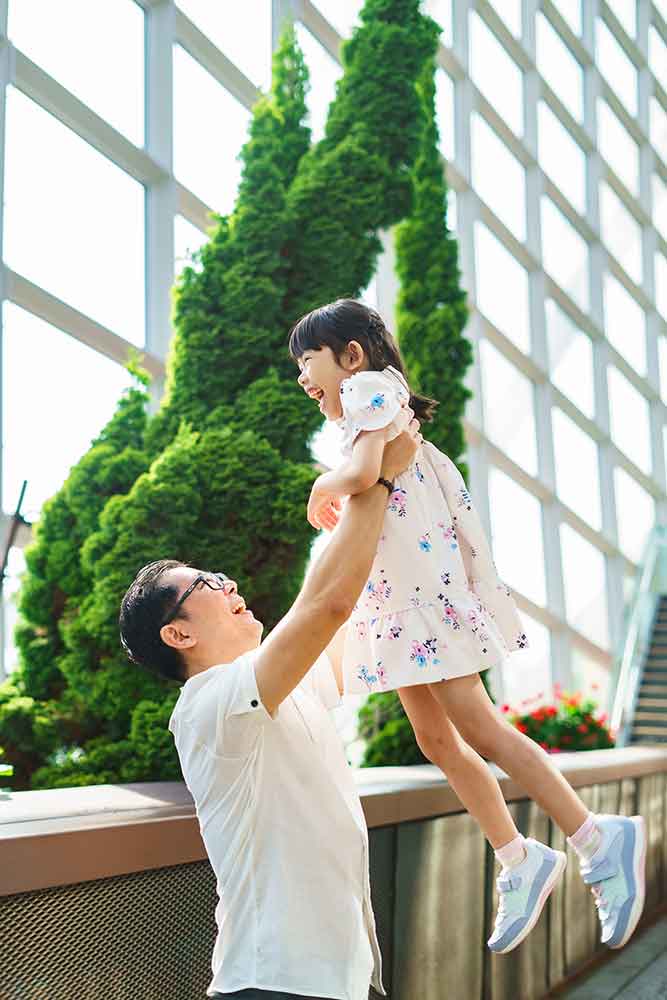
x,y
66,836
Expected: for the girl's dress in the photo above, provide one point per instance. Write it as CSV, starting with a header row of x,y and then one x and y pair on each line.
x,y
433,607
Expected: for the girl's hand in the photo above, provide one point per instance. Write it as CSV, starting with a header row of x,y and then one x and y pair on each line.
x,y
324,505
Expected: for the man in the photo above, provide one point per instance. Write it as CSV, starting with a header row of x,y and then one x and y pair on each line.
x,y
277,805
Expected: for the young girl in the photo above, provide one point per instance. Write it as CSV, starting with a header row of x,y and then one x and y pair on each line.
x,y
433,614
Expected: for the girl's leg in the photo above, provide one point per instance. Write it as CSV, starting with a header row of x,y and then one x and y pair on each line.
x,y
467,773
479,722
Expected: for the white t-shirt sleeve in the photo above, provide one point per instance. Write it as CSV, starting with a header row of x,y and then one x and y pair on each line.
x,y
370,401
240,711
320,682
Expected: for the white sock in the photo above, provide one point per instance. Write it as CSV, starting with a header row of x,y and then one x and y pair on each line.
x,y
586,839
512,854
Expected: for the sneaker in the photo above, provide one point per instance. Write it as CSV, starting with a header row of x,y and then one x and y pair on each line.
x,y
523,891
616,875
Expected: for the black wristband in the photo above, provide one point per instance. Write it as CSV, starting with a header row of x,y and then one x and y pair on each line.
x,y
385,482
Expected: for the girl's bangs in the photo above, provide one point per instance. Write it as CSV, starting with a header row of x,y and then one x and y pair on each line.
x,y
308,334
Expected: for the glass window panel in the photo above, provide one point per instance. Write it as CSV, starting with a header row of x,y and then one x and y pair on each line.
x,y
498,177
662,364
324,72
570,358
615,66
527,677
205,158
565,253
591,678
661,284
496,74
444,110
571,11
514,511
657,55
561,157
573,451
187,240
60,232
79,402
441,11
451,210
10,590
635,514
507,404
625,323
559,67
510,11
662,7
244,37
658,128
502,287
82,45
630,420
343,14
659,213
621,232
618,147
626,12
584,584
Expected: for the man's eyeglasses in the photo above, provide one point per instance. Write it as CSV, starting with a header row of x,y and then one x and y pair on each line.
x,y
214,581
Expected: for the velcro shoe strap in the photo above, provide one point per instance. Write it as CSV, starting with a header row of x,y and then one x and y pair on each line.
x,y
508,882
599,872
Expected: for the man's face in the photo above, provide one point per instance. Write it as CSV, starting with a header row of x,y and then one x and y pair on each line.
x,y
218,627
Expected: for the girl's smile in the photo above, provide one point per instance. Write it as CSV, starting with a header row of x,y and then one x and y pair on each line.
x,y
321,377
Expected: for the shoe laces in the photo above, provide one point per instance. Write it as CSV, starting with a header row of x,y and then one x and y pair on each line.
x,y
599,898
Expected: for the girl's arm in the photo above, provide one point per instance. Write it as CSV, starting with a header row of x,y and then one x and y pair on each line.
x,y
357,474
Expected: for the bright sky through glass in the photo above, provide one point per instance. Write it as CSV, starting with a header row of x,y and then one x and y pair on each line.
x,y
57,396
82,45
74,221
244,37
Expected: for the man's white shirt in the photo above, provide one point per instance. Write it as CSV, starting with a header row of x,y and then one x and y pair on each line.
x,y
285,833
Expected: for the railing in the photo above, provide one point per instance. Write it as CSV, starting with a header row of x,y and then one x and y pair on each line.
x,y
651,582
106,891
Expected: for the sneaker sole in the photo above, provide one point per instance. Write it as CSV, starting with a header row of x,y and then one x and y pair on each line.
x,y
639,872
547,889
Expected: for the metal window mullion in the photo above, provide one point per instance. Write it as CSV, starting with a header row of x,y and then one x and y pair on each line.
x,y
5,78
161,195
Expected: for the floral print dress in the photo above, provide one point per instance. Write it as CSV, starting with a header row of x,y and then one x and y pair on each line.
x,y
433,607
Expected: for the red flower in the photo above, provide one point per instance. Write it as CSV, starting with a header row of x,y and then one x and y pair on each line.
x,y
602,718
552,710
505,708
582,728
522,727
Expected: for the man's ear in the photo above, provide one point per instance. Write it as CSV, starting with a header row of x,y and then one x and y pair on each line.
x,y
353,356
176,636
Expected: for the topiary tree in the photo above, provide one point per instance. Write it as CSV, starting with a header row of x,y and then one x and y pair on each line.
x,y
431,314
230,468
38,711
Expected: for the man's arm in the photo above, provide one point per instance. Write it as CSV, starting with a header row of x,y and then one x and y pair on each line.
x,y
333,585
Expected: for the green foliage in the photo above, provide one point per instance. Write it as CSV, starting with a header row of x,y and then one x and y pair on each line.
x,y
221,474
431,313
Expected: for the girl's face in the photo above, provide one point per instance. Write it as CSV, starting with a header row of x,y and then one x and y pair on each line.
x,y
321,376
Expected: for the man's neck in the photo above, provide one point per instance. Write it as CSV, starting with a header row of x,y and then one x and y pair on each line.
x,y
226,655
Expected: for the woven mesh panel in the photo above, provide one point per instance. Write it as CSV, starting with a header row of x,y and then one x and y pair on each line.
x,y
145,936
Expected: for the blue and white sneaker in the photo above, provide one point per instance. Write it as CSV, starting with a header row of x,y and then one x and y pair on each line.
x,y
616,875
523,891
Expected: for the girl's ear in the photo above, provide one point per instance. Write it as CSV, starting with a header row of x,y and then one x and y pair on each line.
x,y
353,356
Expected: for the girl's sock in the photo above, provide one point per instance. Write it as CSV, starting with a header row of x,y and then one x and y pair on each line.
x,y
512,854
586,839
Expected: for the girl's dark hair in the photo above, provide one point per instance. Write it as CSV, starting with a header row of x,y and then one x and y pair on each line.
x,y
339,322
146,604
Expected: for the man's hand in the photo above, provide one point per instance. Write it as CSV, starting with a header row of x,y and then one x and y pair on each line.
x,y
399,453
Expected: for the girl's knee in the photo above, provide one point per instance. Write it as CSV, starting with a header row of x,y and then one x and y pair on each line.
x,y
437,746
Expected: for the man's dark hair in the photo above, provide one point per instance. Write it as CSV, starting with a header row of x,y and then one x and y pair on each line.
x,y
146,604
